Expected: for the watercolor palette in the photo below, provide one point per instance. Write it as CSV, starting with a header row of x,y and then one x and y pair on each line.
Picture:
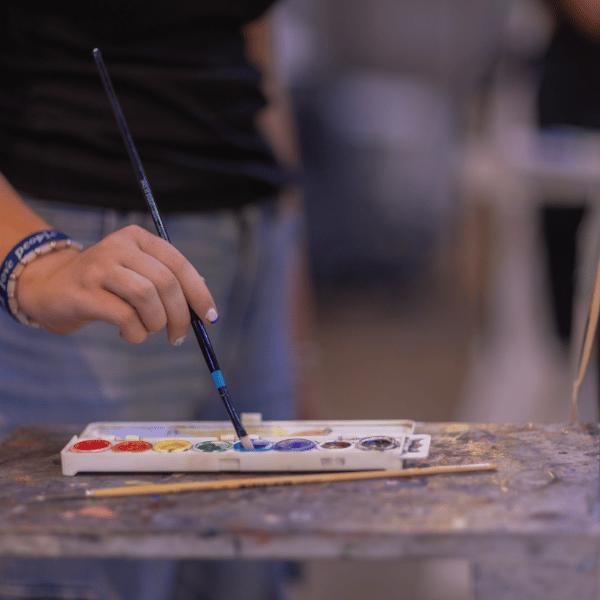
x,y
204,446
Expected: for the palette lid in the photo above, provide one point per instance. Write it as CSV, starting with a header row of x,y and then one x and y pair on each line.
x,y
254,426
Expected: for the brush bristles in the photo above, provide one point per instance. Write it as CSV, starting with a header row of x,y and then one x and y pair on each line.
x,y
246,443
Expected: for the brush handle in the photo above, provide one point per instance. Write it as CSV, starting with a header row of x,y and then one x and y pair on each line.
x,y
129,145
197,325
216,373
228,484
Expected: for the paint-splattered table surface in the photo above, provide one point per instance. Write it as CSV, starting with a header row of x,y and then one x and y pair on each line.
x,y
544,497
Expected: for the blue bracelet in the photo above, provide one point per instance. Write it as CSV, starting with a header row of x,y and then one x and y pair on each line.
x,y
27,250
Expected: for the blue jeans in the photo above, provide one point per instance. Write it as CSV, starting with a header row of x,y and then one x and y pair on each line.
x,y
93,375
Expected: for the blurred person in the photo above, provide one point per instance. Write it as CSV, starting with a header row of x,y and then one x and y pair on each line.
x,y
568,96
187,77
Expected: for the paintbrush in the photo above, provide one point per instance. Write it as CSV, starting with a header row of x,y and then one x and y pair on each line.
x,y
198,327
249,482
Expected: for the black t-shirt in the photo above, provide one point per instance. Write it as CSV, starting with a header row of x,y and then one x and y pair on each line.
x,y
187,91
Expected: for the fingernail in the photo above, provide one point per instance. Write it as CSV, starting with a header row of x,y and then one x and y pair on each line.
x,y
179,341
211,315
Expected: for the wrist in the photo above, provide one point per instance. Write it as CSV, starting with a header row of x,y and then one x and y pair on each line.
x,y
35,248
33,286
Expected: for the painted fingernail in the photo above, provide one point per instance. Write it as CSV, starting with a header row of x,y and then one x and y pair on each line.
x,y
179,341
211,315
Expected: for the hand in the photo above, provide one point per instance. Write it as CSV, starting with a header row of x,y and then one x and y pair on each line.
x,y
132,279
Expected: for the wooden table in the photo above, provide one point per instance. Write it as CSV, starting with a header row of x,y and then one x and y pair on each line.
x,y
531,529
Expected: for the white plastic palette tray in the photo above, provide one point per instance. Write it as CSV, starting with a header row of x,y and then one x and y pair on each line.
x,y
203,446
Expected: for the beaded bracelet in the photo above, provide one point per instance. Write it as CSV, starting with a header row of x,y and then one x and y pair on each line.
x,y
27,250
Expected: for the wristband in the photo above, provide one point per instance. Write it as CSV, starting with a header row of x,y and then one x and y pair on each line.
x,y
27,250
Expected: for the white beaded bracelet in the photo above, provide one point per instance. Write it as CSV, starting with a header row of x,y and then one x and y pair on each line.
x,y
16,261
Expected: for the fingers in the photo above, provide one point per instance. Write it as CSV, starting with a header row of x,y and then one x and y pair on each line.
x,y
110,308
159,282
141,293
193,286
132,303
155,293
83,307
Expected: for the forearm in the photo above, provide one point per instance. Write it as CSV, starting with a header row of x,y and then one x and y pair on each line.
x,y
17,220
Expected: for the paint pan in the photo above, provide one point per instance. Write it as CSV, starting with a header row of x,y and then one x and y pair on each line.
x,y
91,446
174,445
132,446
210,446
259,446
377,442
294,445
336,445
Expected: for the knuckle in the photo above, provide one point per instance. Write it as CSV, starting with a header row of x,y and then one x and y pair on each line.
x,y
179,261
136,337
126,317
134,230
155,319
165,280
156,326
122,237
142,291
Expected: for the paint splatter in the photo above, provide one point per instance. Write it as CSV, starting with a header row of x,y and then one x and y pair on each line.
x,y
24,443
99,512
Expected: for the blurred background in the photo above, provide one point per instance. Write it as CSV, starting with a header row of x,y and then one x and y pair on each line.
x,y
434,203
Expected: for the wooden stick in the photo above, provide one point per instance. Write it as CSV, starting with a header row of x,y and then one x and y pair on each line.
x,y
588,339
229,484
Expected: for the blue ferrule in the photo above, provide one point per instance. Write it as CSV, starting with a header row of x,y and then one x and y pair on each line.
x,y
218,378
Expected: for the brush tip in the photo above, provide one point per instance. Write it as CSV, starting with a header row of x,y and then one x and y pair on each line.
x,y
246,442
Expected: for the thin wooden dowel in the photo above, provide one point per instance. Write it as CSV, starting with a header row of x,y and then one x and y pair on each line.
x,y
588,339
229,484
